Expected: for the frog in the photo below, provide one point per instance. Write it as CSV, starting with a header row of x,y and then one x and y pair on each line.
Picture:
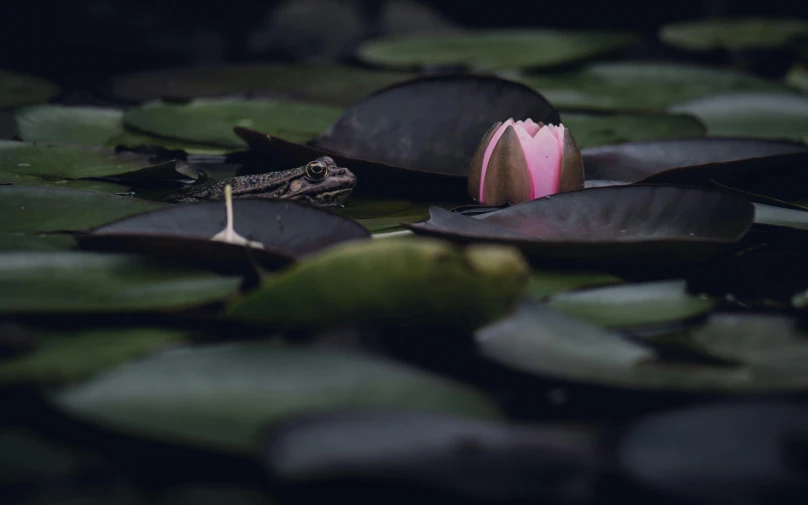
x,y
320,182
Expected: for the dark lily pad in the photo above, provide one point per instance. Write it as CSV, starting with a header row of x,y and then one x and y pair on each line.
x,y
320,83
619,224
103,186
25,458
246,386
288,231
414,450
33,209
767,115
211,121
545,282
597,129
629,305
69,356
73,281
641,86
733,34
18,89
632,162
493,49
797,77
91,126
779,216
36,242
692,455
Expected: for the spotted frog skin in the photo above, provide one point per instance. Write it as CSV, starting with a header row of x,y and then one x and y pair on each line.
x,y
320,182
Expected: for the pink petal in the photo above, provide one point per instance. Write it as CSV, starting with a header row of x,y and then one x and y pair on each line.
x,y
489,150
544,162
531,127
532,152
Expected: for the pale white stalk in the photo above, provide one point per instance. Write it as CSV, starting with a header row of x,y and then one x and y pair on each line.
x,y
229,233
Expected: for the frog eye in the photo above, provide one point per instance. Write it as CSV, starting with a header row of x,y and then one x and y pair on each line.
x,y
316,171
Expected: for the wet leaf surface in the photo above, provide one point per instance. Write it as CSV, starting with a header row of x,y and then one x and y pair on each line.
x,y
778,216
737,33
493,49
797,77
72,281
91,126
245,387
18,89
545,282
593,130
34,242
620,224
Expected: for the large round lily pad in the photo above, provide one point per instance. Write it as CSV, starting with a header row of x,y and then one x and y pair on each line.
x,y
22,89
634,161
31,209
492,49
597,129
287,230
92,126
619,224
73,281
212,121
733,33
770,115
16,241
245,387
641,86
320,83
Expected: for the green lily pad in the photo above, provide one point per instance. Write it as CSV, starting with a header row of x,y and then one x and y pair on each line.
x,y
68,356
367,208
733,34
769,115
493,49
26,242
629,305
592,130
92,126
779,216
320,83
13,179
18,89
212,121
546,282
244,387
193,494
797,77
26,458
131,139
32,209
72,281
641,86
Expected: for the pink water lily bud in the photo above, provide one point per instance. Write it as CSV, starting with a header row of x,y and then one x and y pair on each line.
x,y
519,161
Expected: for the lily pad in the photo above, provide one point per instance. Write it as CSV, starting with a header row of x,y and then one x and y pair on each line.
x,y
130,139
629,305
493,49
545,282
798,77
635,161
778,216
68,356
424,451
212,121
92,126
287,230
36,242
597,129
103,186
18,89
618,224
245,387
768,115
33,209
320,83
73,281
641,86
733,33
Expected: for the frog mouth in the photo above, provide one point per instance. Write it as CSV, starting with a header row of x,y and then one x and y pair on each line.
x,y
335,196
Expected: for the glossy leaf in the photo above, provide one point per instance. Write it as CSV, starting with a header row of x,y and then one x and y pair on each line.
x,y
72,281
619,224
492,49
212,121
33,209
19,180
545,282
18,89
778,216
628,305
91,126
36,242
245,387
767,115
592,130
798,77
733,33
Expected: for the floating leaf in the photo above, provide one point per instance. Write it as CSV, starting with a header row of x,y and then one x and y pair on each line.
x,y
320,83
212,121
401,284
246,386
92,126
492,49
733,34
597,129
641,86
619,224
778,216
798,77
32,209
423,451
68,356
769,115
25,458
366,208
287,230
72,281
545,282
18,89
14,179
26,242
630,305
130,139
